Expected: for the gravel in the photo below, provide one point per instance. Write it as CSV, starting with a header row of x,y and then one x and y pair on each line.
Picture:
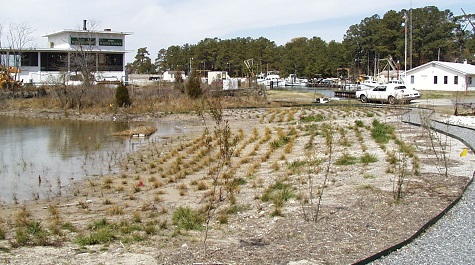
x,y
452,239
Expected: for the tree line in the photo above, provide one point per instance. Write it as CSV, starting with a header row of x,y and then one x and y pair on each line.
x,y
424,34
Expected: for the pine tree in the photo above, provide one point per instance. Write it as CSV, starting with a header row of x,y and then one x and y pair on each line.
x,y
122,98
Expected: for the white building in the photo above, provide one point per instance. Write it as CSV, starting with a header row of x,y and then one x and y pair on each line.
x,y
446,76
44,65
170,76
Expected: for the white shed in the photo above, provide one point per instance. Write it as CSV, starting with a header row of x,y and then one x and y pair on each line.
x,y
445,76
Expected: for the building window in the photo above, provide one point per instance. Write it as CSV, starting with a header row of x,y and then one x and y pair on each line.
x,y
446,80
53,61
29,59
435,80
412,79
469,80
111,62
456,80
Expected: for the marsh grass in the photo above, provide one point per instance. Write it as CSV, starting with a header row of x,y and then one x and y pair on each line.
x,y
368,158
115,210
368,187
31,232
381,133
278,192
346,160
187,219
102,232
368,176
317,118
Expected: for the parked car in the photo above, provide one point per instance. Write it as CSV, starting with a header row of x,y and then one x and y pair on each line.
x,y
392,93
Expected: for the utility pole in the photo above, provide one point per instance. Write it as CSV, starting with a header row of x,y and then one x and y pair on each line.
x,y
410,37
405,48
190,66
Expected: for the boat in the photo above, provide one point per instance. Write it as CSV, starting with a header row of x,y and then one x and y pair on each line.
x,y
270,80
368,82
274,80
293,80
261,77
351,87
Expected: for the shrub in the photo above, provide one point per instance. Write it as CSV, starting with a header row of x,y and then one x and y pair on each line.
x,y
179,83
193,86
122,98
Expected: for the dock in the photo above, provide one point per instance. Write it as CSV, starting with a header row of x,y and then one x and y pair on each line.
x,y
345,94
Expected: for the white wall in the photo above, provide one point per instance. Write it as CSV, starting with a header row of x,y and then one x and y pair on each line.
x,y
62,40
424,79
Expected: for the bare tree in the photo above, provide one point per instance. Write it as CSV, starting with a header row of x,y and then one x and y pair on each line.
x,y
439,143
311,209
401,172
221,139
18,37
328,131
84,57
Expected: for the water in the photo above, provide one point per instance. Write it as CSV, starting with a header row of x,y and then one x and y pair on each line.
x,y
60,151
326,92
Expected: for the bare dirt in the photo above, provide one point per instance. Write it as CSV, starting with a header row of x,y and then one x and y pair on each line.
x,y
358,217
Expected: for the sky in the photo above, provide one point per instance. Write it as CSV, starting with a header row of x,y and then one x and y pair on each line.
x,y
158,24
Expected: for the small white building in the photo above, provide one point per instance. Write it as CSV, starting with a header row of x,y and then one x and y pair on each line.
x,y
445,76
170,76
41,65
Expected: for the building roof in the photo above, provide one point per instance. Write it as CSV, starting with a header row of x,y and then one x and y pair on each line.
x,y
75,31
59,50
463,68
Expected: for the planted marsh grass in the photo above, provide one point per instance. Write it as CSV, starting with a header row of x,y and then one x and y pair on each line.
x,y
274,172
381,132
346,160
367,158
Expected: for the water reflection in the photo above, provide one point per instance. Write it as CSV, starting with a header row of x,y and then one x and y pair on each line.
x,y
58,152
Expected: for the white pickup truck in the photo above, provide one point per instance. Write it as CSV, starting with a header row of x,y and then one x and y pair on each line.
x,y
392,93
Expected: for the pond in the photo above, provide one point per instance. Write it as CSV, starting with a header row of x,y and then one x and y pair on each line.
x,y
40,157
